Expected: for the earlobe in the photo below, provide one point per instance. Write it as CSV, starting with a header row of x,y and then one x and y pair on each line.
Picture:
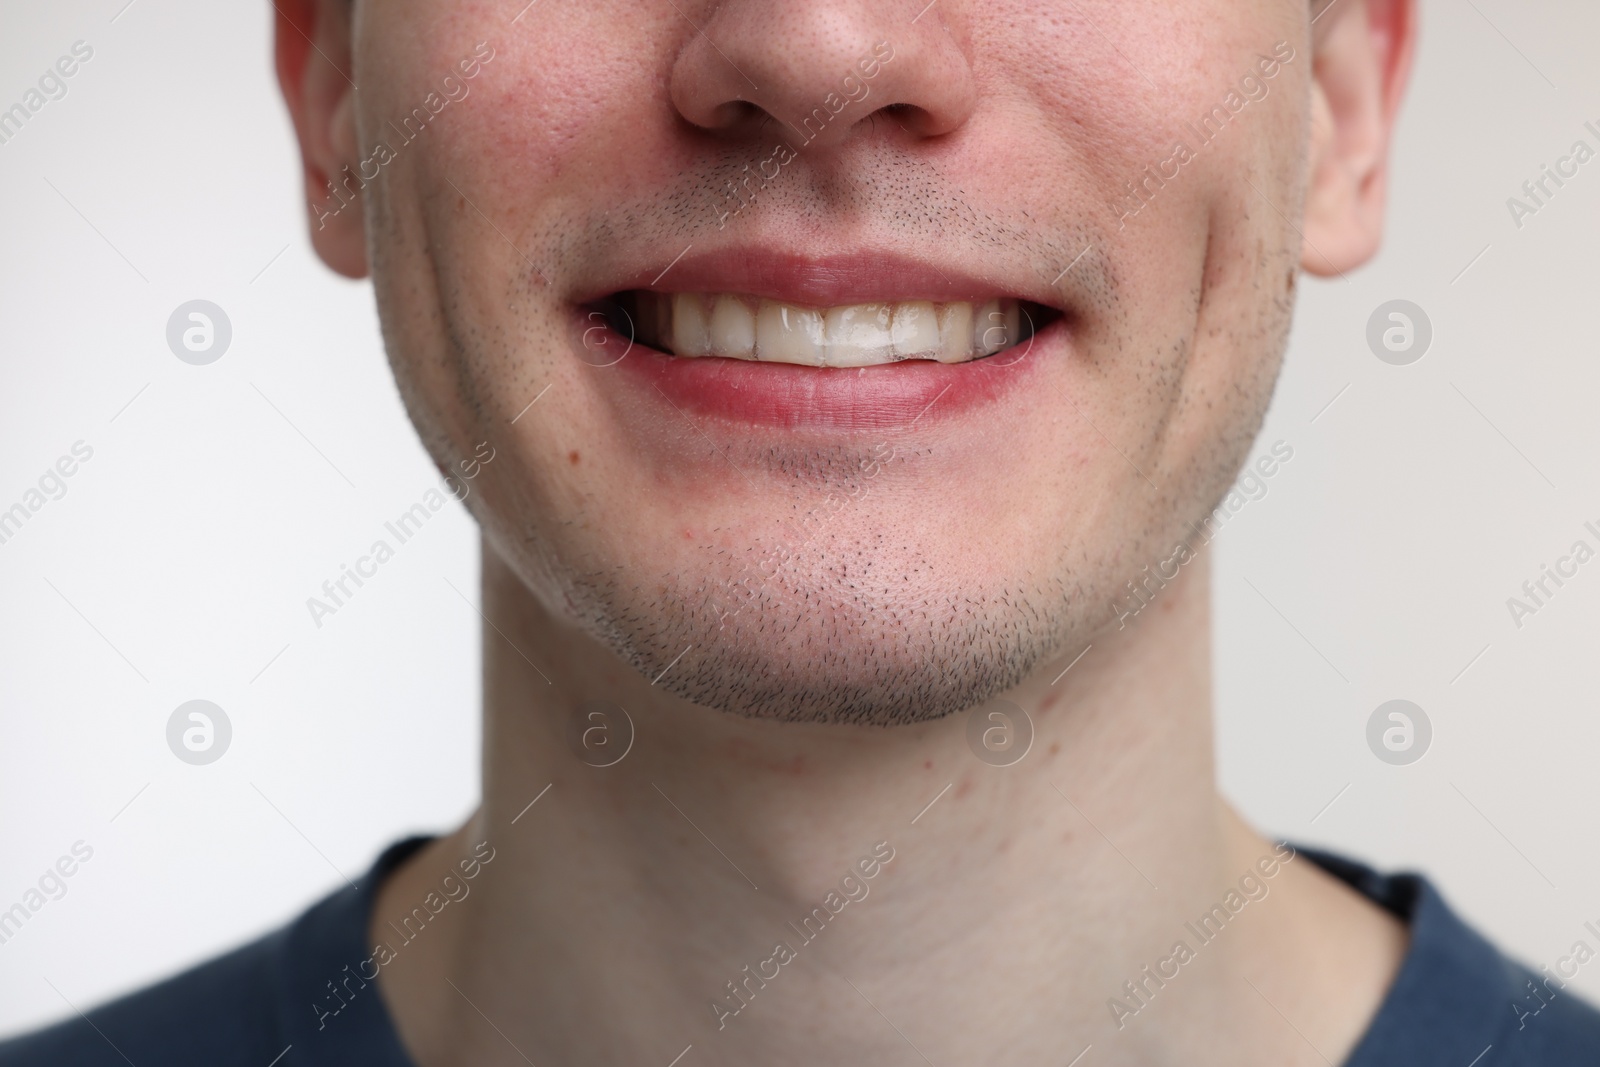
x,y
313,63
1362,59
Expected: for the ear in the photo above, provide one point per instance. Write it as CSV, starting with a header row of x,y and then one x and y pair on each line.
x,y
1362,52
314,72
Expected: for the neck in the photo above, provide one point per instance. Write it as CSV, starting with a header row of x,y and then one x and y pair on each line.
x,y
780,893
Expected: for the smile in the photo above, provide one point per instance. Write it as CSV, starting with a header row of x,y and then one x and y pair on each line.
x,y
736,326
864,341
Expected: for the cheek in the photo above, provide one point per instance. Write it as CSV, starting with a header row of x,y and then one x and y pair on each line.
x,y
544,118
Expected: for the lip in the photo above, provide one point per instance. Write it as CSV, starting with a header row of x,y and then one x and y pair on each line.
x,y
831,400
849,400
858,277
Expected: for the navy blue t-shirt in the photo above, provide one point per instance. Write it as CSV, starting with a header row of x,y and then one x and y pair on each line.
x,y
1455,1002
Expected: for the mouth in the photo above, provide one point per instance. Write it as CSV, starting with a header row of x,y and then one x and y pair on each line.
x,y
697,325
855,342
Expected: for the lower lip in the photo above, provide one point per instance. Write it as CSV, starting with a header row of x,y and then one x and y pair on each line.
x,y
836,399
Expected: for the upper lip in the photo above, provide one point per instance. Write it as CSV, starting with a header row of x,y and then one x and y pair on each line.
x,y
833,280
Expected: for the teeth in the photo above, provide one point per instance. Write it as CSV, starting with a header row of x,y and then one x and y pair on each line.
x,y
732,328
915,330
858,335
989,328
955,333
786,334
689,334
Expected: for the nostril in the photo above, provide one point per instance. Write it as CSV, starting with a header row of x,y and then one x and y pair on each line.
x,y
905,116
735,115
914,120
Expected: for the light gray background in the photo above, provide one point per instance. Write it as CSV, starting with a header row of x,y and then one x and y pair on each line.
x,y
178,563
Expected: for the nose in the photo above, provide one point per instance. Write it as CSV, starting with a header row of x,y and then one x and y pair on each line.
x,y
820,68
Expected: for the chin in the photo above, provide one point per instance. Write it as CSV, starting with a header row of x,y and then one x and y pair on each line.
x,y
832,645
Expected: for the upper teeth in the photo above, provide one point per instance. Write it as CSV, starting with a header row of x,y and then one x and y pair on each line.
x,y
858,335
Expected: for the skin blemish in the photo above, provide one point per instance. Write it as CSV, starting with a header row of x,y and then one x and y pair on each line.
x,y
927,764
1055,746
963,788
573,457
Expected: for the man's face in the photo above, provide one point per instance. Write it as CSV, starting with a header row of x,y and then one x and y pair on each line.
x,y
890,540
